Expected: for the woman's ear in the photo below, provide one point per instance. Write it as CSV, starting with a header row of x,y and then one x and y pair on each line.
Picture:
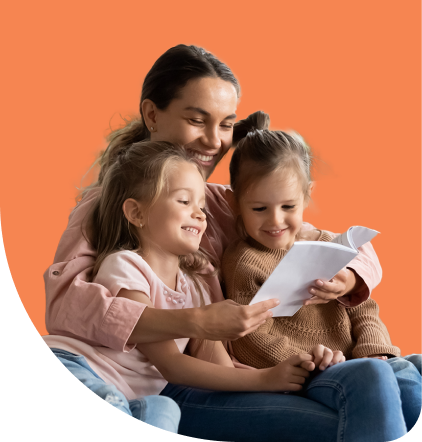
x,y
149,112
133,212
232,201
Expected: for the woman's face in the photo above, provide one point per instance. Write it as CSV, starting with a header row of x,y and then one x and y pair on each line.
x,y
201,118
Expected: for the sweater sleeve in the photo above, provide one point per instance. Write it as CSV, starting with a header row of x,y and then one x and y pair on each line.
x,y
77,308
369,331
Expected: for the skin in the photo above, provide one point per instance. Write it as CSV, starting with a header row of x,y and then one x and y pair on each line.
x,y
173,227
272,213
201,119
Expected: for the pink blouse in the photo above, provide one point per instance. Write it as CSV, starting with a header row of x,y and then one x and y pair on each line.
x,y
90,313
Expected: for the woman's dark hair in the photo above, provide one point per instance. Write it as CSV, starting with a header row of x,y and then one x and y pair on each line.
x,y
260,151
163,83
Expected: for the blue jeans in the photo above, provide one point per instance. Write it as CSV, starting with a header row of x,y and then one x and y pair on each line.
x,y
408,374
355,401
157,411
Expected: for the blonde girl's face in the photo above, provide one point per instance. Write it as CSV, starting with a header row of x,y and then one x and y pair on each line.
x,y
176,222
272,209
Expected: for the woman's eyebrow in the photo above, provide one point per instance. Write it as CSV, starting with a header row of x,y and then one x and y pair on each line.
x,y
207,114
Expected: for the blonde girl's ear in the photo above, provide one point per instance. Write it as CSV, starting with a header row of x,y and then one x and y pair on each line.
x,y
133,212
149,111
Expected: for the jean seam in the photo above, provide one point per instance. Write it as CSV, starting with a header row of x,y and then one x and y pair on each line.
x,y
341,411
228,409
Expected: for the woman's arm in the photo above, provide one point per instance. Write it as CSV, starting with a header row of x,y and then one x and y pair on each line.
x,y
179,368
89,312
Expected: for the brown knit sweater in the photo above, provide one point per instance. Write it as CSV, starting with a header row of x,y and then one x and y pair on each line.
x,y
356,331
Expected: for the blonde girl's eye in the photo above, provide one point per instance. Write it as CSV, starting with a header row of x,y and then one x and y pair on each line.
x,y
288,207
259,209
184,202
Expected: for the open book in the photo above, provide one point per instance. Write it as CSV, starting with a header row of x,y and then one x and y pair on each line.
x,y
306,262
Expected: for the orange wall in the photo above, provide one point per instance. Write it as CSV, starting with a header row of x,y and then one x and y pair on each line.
x,y
346,75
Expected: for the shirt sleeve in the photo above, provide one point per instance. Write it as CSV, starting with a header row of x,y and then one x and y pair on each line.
x,y
124,270
80,309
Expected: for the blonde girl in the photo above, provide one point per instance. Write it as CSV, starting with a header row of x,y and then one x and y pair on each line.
x,y
270,175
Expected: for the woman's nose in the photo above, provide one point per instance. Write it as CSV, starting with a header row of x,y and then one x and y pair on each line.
x,y
211,138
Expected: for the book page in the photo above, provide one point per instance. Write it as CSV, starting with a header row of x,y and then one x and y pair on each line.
x,y
342,239
305,262
361,235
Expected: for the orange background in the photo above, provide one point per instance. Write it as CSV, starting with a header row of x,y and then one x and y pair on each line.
x,y
346,75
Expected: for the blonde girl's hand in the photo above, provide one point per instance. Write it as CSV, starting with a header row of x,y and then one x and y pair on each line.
x,y
342,284
325,357
288,375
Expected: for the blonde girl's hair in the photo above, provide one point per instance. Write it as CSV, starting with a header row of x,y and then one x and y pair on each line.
x,y
260,151
163,83
140,172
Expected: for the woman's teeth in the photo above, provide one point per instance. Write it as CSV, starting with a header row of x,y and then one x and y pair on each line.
x,y
202,157
191,229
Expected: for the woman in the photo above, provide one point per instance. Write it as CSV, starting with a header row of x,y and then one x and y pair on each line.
x,y
188,97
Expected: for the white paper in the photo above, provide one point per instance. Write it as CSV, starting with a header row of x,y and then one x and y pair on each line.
x,y
306,262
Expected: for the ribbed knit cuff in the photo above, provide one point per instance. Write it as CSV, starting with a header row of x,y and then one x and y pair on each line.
x,y
360,351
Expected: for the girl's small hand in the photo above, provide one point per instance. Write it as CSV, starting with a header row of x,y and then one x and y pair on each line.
x,y
382,357
289,375
342,284
325,357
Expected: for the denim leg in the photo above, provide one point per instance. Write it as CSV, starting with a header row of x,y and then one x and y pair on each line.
x,y
366,395
252,417
407,371
78,366
158,411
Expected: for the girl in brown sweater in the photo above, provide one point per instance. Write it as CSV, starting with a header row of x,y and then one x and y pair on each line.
x,y
271,185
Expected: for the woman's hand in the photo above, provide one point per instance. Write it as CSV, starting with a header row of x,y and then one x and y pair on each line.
x,y
342,284
228,320
324,357
289,375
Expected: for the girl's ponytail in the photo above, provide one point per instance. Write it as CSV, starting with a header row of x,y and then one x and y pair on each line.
x,y
257,121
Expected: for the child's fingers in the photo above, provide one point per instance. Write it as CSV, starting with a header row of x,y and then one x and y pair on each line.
x,y
316,300
318,353
297,360
297,379
326,358
337,358
308,365
299,371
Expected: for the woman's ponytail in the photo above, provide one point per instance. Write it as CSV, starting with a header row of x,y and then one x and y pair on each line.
x,y
121,139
